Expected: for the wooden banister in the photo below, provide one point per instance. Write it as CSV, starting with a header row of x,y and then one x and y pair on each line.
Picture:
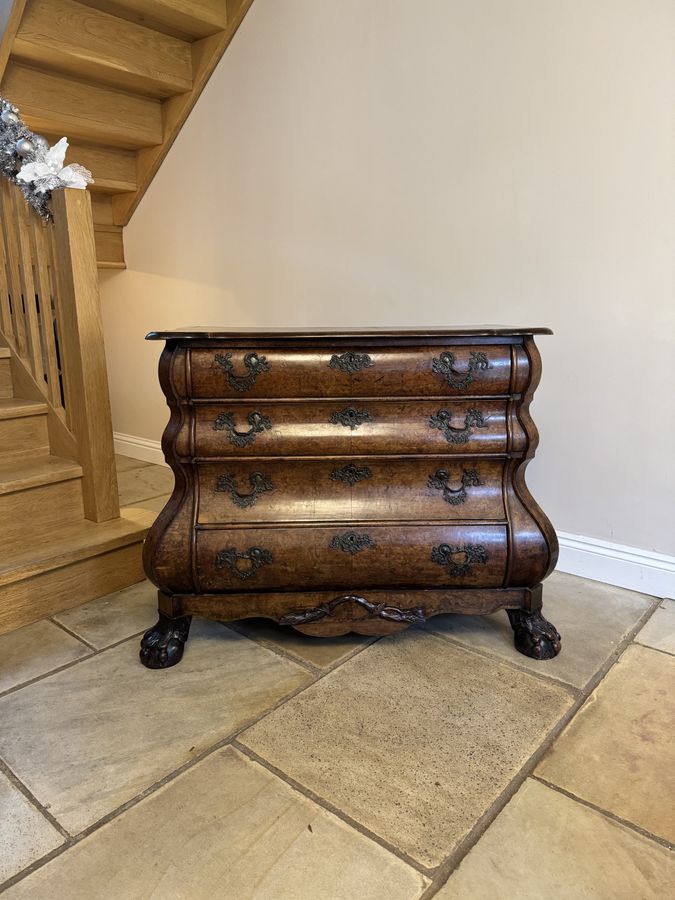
x,y
83,352
50,316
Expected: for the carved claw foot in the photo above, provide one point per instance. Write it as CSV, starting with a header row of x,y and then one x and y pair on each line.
x,y
163,645
533,634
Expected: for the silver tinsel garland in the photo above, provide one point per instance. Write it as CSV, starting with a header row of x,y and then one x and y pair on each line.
x,y
19,147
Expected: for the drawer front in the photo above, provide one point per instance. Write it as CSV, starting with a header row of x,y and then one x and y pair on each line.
x,y
350,557
350,429
359,372
243,491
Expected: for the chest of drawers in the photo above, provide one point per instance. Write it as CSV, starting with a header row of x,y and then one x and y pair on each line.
x,y
349,481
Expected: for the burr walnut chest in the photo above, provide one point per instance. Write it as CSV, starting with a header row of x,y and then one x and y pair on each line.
x,y
340,481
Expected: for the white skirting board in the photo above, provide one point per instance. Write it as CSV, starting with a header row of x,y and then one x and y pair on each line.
x,y
139,448
626,567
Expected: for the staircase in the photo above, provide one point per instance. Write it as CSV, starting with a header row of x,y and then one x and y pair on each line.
x,y
64,540
119,78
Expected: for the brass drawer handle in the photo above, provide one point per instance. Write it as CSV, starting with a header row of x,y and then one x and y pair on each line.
x,y
256,556
454,496
259,484
446,555
254,363
444,365
350,417
453,435
351,542
257,421
350,361
350,474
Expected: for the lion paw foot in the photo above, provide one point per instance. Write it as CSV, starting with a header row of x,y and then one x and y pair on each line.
x,y
534,635
162,646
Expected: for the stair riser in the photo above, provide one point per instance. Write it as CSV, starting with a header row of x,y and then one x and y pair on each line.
x,y
29,515
51,592
6,390
24,436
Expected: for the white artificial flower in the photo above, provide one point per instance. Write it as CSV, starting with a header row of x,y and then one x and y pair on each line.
x,y
48,172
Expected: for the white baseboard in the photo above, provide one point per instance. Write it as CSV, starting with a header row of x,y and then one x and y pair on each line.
x,y
627,567
139,448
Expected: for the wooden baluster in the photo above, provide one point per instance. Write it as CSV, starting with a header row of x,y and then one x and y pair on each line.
x,y
5,309
23,217
12,258
68,399
40,244
83,352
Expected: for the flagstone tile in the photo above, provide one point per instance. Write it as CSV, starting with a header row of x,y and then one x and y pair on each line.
x,y
35,650
543,844
140,484
618,752
226,828
114,617
89,738
414,738
125,463
320,652
659,632
25,834
592,618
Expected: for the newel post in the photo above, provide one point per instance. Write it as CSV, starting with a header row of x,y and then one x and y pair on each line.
x,y
83,352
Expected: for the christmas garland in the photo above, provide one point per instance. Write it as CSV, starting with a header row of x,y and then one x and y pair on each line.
x,y
28,161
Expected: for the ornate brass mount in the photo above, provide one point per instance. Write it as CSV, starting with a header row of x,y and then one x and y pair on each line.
x,y
454,496
414,616
254,363
444,365
351,474
453,435
257,421
256,556
350,417
259,484
351,542
445,555
350,361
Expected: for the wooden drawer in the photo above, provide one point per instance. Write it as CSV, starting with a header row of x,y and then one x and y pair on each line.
x,y
247,491
362,372
350,557
350,429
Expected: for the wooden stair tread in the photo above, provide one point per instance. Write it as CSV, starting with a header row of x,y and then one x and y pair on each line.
x,y
50,102
4,353
185,19
15,408
87,42
76,541
19,474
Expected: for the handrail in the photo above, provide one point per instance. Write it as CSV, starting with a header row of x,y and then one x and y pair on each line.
x,y
50,316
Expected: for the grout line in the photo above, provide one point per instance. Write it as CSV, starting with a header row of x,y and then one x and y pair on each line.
x,y
453,860
493,656
68,665
655,649
71,633
320,801
153,788
441,873
664,842
30,796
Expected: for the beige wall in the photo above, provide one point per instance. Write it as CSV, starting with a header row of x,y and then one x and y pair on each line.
x,y
384,162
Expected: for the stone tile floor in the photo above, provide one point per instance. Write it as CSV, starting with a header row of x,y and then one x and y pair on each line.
x,y
437,762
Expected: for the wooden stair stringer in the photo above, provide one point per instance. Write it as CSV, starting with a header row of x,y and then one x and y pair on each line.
x,y
80,564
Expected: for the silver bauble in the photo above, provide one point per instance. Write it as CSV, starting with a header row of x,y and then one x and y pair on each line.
x,y
41,143
24,147
9,118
